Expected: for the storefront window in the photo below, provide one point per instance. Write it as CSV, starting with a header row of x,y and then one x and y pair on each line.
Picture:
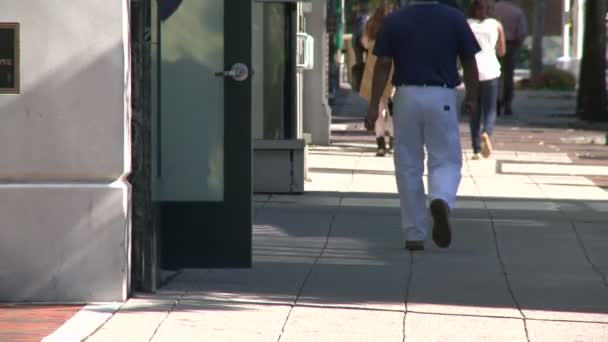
x,y
275,39
9,58
272,88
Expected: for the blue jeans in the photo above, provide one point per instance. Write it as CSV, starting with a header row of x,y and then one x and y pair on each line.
x,y
488,94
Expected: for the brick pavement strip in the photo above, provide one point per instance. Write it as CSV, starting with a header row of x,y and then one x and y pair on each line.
x,y
26,322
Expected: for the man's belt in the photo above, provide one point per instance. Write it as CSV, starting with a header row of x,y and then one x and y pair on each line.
x,y
426,84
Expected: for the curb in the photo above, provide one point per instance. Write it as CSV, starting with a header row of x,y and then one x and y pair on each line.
x,y
84,323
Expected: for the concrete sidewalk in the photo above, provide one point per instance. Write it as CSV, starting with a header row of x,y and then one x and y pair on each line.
x,y
528,263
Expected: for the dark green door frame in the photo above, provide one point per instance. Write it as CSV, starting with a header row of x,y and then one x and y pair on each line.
x,y
200,234
144,233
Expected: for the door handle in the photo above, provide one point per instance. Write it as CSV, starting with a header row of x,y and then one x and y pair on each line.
x,y
239,72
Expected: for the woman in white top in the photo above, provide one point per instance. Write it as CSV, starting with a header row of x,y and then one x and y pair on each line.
x,y
491,38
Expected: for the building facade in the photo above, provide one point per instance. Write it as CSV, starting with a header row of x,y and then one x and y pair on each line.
x,y
136,148
66,153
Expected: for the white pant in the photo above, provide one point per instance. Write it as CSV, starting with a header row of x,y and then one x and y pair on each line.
x,y
384,123
425,116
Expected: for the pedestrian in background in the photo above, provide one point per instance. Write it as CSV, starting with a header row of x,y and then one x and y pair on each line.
x,y
424,41
360,51
454,3
384,124
490,37
514,22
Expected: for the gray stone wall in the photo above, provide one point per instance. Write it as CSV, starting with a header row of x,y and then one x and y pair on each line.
x,y
65,147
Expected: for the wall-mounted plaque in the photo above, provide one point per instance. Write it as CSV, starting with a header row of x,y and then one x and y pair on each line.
x,y
9,58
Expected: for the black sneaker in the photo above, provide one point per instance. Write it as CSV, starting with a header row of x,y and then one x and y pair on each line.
x,y
381,147
442,232
414,245
381,152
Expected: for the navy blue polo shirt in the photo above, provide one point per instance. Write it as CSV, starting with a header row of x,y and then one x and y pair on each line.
x,y
425,39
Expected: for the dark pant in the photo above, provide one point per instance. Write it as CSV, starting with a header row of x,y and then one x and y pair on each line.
x,y
357,72
488,94
507,63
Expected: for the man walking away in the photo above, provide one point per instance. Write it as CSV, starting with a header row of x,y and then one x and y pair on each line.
x,y
515,26
424,40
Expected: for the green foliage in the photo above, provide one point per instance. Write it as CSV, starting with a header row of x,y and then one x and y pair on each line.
x,y
550,78
374,3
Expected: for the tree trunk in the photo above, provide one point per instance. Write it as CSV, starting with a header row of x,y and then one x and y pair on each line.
x,y
591,101
536,61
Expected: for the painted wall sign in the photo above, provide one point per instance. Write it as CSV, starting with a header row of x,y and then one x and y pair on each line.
x,y
9,58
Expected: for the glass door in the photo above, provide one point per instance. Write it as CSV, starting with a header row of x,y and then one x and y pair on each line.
x,y
202,133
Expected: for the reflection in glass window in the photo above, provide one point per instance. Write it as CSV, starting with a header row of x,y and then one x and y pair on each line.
x,y
275,57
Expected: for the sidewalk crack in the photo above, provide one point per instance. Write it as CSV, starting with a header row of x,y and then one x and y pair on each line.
x,y
579,239
312,266
103,324
503,267
177,301
354,172
408,287
582,246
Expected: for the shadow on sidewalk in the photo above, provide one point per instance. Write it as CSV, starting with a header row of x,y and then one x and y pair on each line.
x,y
344,250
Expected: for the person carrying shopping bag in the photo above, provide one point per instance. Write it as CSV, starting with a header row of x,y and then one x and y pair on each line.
x,y
384,125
